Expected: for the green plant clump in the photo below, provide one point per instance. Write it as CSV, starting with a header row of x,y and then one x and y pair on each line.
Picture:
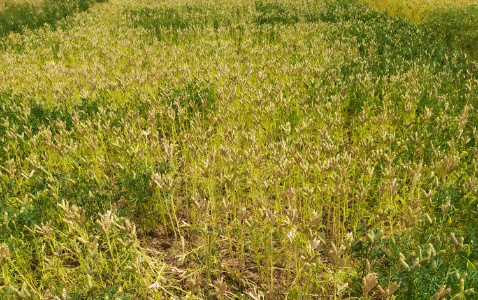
x,y
457,26
17,16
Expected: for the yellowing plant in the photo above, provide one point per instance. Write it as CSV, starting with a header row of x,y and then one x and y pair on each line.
x,y
415,10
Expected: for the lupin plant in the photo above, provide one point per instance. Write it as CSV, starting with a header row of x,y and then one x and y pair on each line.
x,y
238,150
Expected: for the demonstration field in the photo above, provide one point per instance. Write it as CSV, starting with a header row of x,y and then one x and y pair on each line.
x,y
238,150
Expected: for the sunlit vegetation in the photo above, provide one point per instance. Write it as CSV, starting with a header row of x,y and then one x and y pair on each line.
x,y
238,150
416,10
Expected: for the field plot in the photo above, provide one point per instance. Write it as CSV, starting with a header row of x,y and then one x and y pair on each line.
x,y
239,150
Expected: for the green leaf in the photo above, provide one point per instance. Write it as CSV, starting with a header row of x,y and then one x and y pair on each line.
x,y
469,265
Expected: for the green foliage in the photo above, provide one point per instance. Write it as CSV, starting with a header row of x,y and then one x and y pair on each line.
x,y
167,24
157,19
17,16
137,192
421,263
195,95
275,13
458,26
384,39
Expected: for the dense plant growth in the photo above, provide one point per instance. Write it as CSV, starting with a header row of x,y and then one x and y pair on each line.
x,y
16,16
239,150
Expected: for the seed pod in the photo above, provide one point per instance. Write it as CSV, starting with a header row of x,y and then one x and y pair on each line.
x,y
468,291
392,239
429,220
453,239
119,240
403,263
434,265
458,296
92,287
370,238
424,260
432,250
410,255
462,285
415,266
130,243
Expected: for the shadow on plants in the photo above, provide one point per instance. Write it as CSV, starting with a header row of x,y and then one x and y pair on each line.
x,y
275,13
15,16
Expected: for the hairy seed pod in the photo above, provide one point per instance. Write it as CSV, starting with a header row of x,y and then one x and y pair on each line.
x,y
429,220
424,260
92,287
432,250
410,255
415,267
453,239
403,263
370,238
458,296
469,291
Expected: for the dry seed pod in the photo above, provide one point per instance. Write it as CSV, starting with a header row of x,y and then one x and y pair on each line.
x,y
443,292
369,282
4,254
389,291
349,238
341,289
193,285
221,287
458,296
